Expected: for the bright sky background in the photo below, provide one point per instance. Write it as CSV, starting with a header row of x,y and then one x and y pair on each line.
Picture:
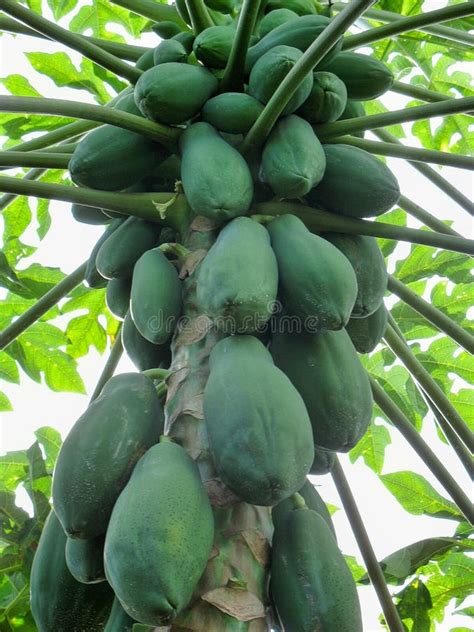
x,y
68,244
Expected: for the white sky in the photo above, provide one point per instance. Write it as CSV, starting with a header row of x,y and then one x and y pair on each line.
x,y
67,245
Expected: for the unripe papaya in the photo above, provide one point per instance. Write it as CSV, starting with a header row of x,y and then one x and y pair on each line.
x,y
99,453
92,276
89,215
366,333
213,45
165,176
169,50
300,7
327,99
365,77
323,461
118,620
353,109
160,536
232,112
274,18
173,92
85,559
186,38
293,159
258,428
145,62
317,282
143,353
117,296
166,29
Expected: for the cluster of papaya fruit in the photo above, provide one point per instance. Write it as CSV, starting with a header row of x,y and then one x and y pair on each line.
x,y
131,513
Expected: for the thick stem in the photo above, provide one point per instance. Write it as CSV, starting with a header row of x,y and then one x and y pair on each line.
x,y
40,159
430,459
200,18
42,305
432,314
71,130
315,53
8,198
374,570
73,41
159,12
110,365
418,92
417,154
423,216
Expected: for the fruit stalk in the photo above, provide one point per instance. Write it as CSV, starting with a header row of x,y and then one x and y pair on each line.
x,y
153,10
423,216
39,159
418,92
200,18
110,365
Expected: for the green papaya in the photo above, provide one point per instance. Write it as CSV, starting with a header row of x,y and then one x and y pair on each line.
x,y
365,77
165,176
222,6
173,93
85,559
232,112
258,428
299,33
118,620
143,353
145,62
327,372
317,282
353,110
273,19
323,462
155,299
170,50
293,159
99,453
213,45
300,7
58,602
160,536
369,266
355,183
366,333
92,276
216,179
119,253
186,38
327,99
166,29
311,585
237,281
270,70
126,103
89,215
117,296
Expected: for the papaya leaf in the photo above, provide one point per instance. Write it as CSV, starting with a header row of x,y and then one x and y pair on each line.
x,y
468,612
423,263
463,401
98,14
414,603
60,8
356,569
38,484
37,279
444,358
50,440
86,330
13,469
8,369
396,217
372,447
16,218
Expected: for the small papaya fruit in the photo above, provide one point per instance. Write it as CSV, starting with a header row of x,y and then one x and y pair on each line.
x,y
117,296
92,276
327,99
169,50
232,112
118,620
143,353
274,18
213,45
300,7
145,62
89,215
366,333
166,29
186,38
323,462
365,77
85,559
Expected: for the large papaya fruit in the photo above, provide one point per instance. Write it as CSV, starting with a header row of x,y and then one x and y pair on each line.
x,y
317,282
85,559
311,585
58,602
293,159
143,353
232,112
258,428
92,276
155,299
326,101
327,372
170,50
117,296
89,215
274,18
160,536
118,620
366,333
365,77
216,179
98,455
213,45
355,183
238,280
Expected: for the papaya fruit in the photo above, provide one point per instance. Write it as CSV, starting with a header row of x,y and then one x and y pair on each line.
x,y
155,299
369,266
126,103
58,602
160,536
274,18
311,585
365,77
270,70
366,333
145,62
248,399
299,33
143,353
222,6
327,372
323,462
186,38
117,296
327,99
300,7
172,93
165,176
119,253
118,620
317,282
353,109
92,276
293,159
237,281
213,45
169,50
85,559
216,179
89,215
99,453
166,29
232,112
355,183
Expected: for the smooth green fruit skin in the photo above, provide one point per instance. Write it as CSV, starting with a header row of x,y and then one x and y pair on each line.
x,y
85,559
58,602
366,333
327,99
222,6
311,585
327,372
237,281
186,38
270,70
369,265
258,428
99,453
92,276
156,297
275,18
160,536
232,112
293,159
166,29
169,50
355,183
89,215
317,282
143,353
365,77
119,253
173,92
323,462
300,7
118,620
213,45
165,176
145,62
216,179
117,297
353,109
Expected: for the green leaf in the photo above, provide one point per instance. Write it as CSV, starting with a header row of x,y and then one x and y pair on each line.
x,y
13,469
50,440
414,603
451,578
38,484
424,262
356,569
99,13
8,369
372,447
86,330
60,8
5,403
396,217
